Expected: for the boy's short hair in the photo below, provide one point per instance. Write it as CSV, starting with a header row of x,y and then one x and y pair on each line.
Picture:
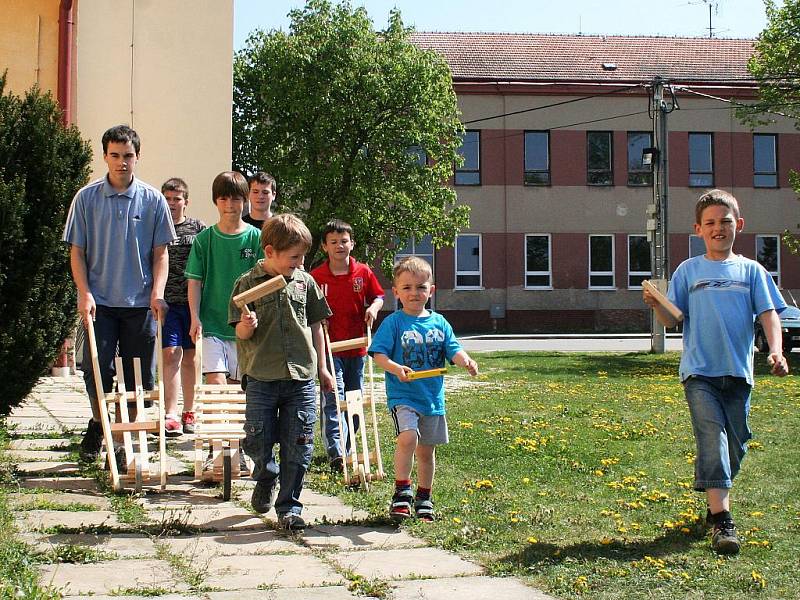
x,y
121,134
230,183
338,226
175,184
414,265
285,231
715,198
263,178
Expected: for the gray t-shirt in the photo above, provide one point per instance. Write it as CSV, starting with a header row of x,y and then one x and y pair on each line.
x,y
118,232
176,291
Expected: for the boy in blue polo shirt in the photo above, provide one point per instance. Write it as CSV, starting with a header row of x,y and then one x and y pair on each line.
x,y
720,294
118,228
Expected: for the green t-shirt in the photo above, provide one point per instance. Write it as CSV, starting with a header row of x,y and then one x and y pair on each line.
x,y
217,259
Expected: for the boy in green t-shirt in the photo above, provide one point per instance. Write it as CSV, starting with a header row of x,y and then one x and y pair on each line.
x,y
219,255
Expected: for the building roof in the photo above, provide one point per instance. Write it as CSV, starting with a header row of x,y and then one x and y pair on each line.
x,y
580,58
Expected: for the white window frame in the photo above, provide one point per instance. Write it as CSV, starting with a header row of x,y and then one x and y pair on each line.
x,y
776,275
693,236
412,247
549,271
646,274
613,285
479,272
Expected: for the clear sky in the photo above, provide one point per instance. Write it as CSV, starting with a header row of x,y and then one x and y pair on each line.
x,y
730,18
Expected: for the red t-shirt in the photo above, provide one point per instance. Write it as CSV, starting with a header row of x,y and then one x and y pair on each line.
x,y
348,296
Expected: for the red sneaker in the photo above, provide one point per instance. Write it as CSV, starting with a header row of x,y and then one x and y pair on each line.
x,y
172,426
188,421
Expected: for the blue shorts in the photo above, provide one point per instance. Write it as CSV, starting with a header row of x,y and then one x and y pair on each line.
x,y
175,331
719,407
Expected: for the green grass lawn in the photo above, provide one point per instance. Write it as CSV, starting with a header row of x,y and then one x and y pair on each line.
x,y
574,471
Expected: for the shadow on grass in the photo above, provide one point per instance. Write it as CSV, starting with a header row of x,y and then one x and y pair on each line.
x,y
541,554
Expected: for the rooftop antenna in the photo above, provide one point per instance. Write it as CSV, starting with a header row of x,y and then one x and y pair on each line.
x,y
715,5
580,25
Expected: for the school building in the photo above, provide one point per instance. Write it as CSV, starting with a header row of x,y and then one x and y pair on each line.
x,y
553,173
165,68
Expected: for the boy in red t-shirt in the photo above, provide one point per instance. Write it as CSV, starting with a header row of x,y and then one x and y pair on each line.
x,y
355,297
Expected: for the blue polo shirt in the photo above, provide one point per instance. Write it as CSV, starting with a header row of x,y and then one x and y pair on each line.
x,y
118,232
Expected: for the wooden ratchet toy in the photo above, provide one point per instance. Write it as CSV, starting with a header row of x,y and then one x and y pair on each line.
x,y
262,289
663,300
428,373
351,344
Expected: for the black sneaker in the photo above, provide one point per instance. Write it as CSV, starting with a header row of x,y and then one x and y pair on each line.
x,y
291,522
92,441
119,457
400,508
264,496
337,464
724,539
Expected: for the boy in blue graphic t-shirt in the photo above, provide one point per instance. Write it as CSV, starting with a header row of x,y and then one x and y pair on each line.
x,y
721,294
416,339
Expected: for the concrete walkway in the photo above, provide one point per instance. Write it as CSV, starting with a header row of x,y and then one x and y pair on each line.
x,y
226,551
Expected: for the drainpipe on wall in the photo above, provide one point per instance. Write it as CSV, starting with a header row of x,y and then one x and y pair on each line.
x,y
62,366
65,23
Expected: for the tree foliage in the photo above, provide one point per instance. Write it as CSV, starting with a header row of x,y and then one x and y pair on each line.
x,y
340,114
42,165
776,66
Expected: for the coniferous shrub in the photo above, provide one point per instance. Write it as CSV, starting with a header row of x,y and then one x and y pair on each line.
x,y
42,165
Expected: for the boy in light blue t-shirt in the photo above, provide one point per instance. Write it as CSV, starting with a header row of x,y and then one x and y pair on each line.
x,y
720,295
416,339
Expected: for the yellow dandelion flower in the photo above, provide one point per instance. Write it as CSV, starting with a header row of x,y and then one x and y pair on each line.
x,y
456,520
532,540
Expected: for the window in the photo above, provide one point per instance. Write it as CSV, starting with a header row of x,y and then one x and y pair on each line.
x,y
422,248
537,158
419,154
765,160
468,261
697,246
639,174
701,170
769,255
537,261
601,262
638,260
598,158
470,172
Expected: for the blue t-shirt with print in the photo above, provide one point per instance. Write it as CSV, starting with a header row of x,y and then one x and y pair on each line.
x,y
720,301
420,343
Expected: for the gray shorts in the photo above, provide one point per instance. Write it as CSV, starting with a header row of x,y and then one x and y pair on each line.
x,y
431,429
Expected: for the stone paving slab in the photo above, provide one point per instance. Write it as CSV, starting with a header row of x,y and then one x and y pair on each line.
x,y
39,455
47,468
126,545
214,519
104,578
466,588
31,424
406,563
59,483
38,444
20,501
349,537
232,543
43,519
167,597
247,572
337,592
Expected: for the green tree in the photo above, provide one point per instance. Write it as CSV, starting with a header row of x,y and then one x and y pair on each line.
x,y
42,165
354,124
776,66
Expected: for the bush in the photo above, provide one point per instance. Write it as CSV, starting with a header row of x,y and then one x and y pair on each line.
x,y
42,166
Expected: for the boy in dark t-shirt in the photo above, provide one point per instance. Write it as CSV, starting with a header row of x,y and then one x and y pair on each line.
x,y
178,347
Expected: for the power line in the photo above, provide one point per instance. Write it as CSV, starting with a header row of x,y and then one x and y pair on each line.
x,y
535,108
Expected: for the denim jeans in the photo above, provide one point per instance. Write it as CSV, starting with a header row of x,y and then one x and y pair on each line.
x,y
133,332
719,408
349,373
282,412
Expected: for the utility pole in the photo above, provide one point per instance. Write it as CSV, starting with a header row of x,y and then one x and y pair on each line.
x,y
657,222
